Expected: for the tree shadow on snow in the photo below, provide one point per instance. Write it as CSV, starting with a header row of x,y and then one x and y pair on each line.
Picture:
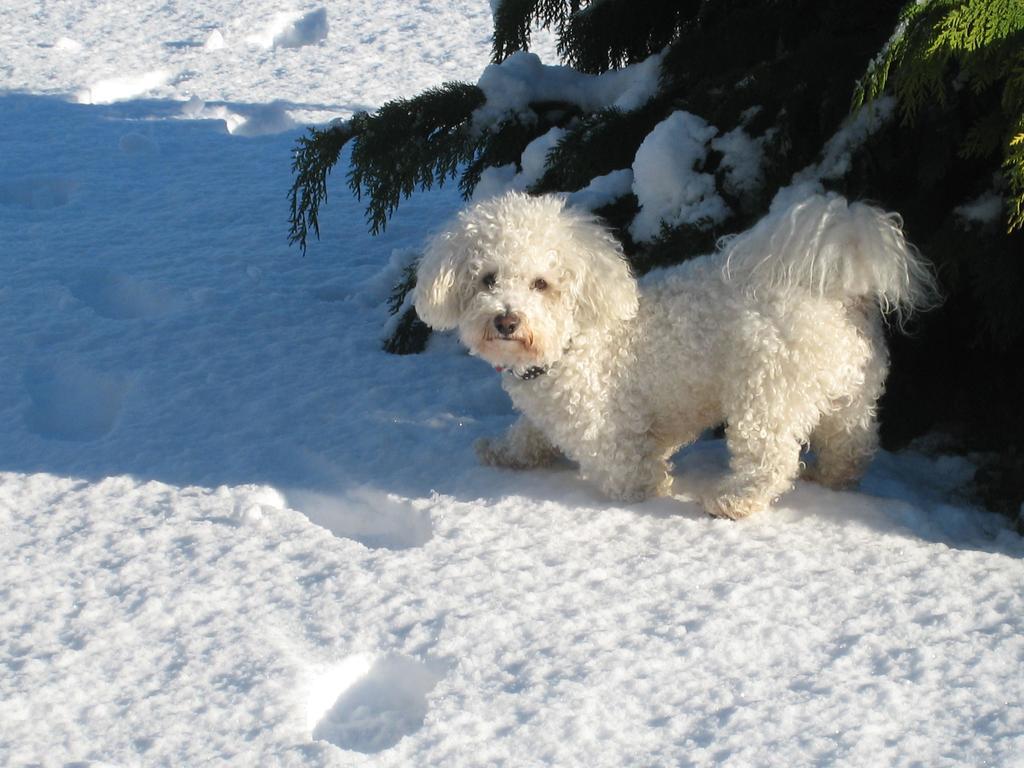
x,y
160,326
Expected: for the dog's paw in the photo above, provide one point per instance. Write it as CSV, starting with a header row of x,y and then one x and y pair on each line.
x,y
629,495
494,452
838,480
634,493
732,506
486,453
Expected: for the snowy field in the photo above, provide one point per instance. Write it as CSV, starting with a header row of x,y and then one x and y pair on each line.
x,y
234,531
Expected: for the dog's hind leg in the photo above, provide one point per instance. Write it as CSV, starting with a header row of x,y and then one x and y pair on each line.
x,y
523,446
844,443
771,406
847,436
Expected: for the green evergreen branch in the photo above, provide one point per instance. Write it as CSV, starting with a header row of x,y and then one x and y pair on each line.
x,y
977,24
985,137
910,42
614,33
406,144
514,20
979,43
1014,168
412,143
312,160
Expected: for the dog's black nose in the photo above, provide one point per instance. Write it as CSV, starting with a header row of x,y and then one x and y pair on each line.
x,y
506,323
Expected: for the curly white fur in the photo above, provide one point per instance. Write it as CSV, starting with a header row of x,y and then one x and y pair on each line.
x,y
778,336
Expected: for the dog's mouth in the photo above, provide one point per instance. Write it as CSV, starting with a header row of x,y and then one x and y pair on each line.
x,y
523,340
511,350
507,340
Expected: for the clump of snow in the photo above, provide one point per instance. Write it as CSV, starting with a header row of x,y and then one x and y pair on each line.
x,y
68,44
123,88
193,107
520,79
603,190
535,156
750,113
264,119
984,209
215,41
505,178
232,120
293,30
742,159
837,153
494,180
309,29
250,503
670,189
248,120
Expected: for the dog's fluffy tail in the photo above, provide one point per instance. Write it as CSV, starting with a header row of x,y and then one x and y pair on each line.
x,y
831,248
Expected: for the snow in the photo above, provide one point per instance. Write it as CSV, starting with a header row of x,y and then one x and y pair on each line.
x,y
113,89
836,154
603,190
497,180
235,532
494,180
984,209
292,30
666,180
742,159
511,86
322,59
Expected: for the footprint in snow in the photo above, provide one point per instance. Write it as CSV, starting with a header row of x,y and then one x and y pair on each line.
x,y
331,293
70,402
138,144
380,701
123,297
37,192
375,519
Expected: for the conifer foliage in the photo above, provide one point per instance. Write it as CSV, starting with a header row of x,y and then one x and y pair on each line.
x,y
982,41
431,131
722,60
919,108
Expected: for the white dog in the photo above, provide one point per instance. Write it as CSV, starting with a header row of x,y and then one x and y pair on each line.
x,y
778,336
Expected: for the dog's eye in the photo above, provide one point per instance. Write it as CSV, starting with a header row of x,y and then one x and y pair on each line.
x,y
489,280
540,284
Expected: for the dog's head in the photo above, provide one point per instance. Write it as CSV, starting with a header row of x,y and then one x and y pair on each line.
x,y
520,276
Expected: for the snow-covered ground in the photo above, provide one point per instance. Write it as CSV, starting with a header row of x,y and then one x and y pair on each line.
x,y
234,531
315,61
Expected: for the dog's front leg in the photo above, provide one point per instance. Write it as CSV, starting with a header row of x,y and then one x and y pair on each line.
x,y
523,446
765,459
630,469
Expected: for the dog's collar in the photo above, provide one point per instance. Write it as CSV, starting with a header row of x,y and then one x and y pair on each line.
x,y
528,374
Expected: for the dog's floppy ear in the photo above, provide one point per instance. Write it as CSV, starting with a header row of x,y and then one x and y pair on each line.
x,y
606,293
437,297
